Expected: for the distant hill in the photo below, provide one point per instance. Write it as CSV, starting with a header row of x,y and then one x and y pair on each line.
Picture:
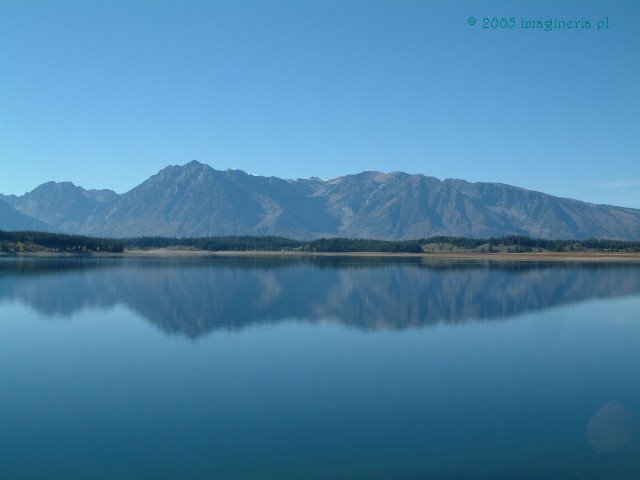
x,y
62,205
196,200
13,220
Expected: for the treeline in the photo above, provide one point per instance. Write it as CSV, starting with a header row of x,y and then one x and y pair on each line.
x,y
363,245
526,244
271,243
513,243
32,241
243,243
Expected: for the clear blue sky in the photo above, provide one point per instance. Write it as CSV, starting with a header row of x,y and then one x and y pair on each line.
x,y
106,93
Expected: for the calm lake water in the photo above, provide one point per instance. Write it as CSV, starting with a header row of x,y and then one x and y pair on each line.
x,y
328,368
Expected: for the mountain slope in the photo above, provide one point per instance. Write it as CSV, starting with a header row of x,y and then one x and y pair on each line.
x,y
197,200
13,220
399,206
63,206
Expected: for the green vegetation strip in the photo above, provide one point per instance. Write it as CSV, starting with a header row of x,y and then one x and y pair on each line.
x,y
15,242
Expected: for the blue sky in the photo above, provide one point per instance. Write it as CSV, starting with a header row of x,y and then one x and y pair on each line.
x,y
106,93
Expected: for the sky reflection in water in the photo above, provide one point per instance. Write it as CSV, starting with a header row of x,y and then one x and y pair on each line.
x,y
325,368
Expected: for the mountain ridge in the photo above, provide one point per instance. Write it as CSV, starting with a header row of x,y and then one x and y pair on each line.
x,y
197,200
12,219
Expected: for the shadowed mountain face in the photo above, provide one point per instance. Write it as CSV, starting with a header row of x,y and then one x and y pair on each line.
x,y
197,200
195,297
62,206
13,220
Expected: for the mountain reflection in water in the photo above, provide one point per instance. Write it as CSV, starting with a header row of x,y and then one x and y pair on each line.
x,y
193,297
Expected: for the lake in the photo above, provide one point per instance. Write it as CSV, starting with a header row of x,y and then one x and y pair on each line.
x,y
318,368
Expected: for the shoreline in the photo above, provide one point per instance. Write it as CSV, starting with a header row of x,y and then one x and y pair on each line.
x,y
498,256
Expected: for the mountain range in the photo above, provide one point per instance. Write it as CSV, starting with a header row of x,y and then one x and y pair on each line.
x,y
195,200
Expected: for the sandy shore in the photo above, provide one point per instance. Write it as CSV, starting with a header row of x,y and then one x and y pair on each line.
x,y
194,253
500,256
560,257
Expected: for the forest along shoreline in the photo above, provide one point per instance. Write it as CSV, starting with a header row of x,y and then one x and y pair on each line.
x,y
510,247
